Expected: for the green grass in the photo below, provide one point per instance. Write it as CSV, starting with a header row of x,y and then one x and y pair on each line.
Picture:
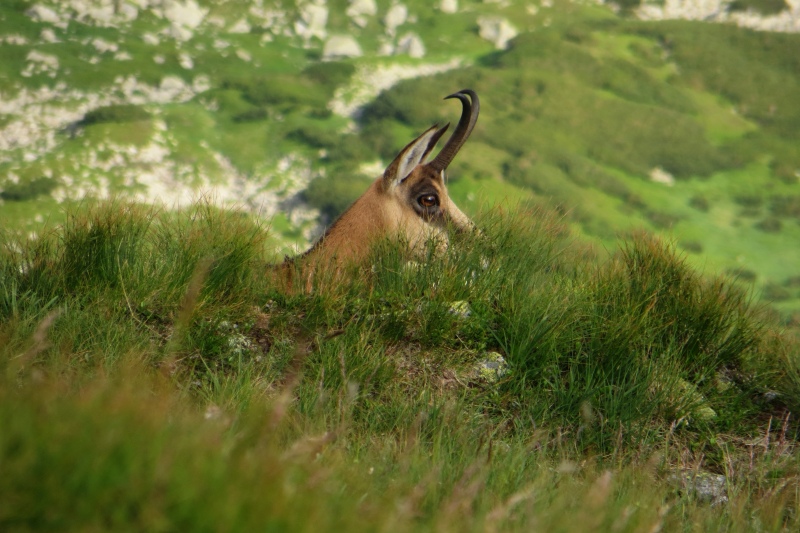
x,y
154,378
576,113
579,115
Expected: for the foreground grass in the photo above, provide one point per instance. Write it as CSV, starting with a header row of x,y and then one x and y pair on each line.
x,y
154,379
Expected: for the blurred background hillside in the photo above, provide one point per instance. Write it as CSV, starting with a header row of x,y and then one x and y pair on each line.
x,y
624,116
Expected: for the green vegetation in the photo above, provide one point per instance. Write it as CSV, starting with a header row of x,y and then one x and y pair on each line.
x,y
154,378
28,190
583,111
583,114
765,7
114,113
333,194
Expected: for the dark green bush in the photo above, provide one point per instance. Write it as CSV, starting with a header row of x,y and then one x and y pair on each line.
x,y
412,103
742,274
765,7
776,293
770,225
280,90
661,219
317,137
334,193
114,114
786,170
251,115
749,200
628,5
331,74
28,189
700,203
694,247
785,206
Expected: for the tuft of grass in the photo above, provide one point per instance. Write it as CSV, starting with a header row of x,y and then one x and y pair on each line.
x,y
154,377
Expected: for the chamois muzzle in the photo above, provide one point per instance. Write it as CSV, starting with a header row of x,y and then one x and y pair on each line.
x,y
469,116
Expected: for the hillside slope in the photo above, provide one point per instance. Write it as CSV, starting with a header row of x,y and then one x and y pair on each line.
x,y
153,378
276,107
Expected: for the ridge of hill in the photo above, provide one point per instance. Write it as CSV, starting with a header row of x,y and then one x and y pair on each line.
x,y
287,109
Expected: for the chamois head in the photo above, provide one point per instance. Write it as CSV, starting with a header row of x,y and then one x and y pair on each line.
x,y
409,200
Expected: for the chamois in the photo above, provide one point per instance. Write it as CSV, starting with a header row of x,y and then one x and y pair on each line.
x,y
409,200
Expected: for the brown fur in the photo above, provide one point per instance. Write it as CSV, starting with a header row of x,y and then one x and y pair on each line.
x,y
391,207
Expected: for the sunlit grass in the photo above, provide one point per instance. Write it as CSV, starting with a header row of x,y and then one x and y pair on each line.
x,y
154,378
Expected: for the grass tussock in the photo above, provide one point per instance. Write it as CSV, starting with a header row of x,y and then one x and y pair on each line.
x,y
154,378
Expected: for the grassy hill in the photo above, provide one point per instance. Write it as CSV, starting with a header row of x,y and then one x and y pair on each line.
x,y
596,360
685,129
627,125
154,378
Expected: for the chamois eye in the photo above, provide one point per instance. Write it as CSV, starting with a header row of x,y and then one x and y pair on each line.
x,y
428,200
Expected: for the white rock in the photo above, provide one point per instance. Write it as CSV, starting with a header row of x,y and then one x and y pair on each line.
x,y
273,20
179,33
43,14
360,21
17,40
497,30
338,46
48,36
185,61
201,84
141,4
128,12
659,175
172,88
102,46
122,56
187,14
362,7
313,19
241,26
102,15
359,11
46,60
368,82
396,16
410,44
448,6
216,21
386,49
372,168
184,18
788,20
244,55
151,39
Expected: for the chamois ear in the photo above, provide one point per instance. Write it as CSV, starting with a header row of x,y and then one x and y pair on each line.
x,y
412,155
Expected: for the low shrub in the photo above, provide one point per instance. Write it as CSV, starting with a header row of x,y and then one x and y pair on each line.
x,y
28,189
119,113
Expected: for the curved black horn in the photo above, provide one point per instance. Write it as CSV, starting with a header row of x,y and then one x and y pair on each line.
x,y
469,116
